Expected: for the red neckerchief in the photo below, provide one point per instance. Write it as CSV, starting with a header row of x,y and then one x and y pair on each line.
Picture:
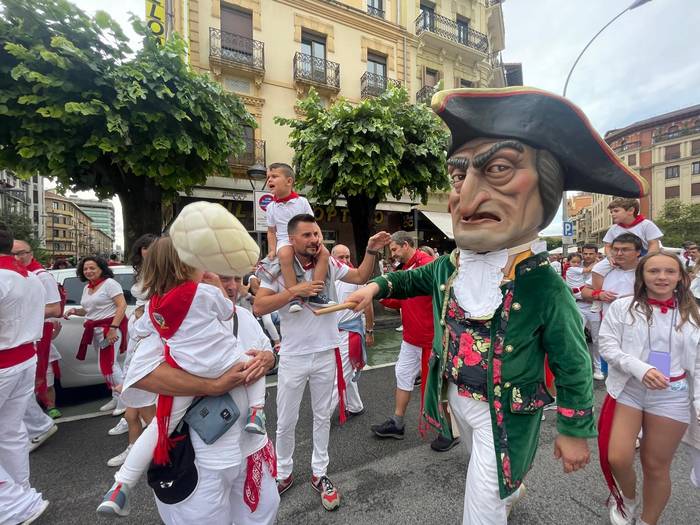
x,y
8,262
663,305
639,218
289,197
96,283
34,265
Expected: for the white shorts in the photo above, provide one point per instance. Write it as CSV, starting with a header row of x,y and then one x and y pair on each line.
x,y
281,243
408,366
673,403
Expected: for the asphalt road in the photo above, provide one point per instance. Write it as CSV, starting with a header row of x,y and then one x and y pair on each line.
x,y
400,482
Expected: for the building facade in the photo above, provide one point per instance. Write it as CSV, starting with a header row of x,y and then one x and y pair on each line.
x,y
665,150
271,52
23,197
101,213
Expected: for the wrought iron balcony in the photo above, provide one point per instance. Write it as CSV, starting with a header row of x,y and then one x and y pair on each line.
x,y
675,134
375,11
628,146
448,29
494,2
316,71
235,50
373,85
254,153
425,94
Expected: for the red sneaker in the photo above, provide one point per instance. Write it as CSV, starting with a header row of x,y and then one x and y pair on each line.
x,y
330,497
284,484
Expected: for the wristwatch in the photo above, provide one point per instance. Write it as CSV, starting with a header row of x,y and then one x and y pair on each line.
x,y
114,326
372,252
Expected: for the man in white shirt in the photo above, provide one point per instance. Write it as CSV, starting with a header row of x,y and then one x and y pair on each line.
x,y
591,319
309,351
22,300
355,326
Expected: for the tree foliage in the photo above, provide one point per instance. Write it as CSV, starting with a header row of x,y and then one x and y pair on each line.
x,y
77,106
22,229
366,152
680,222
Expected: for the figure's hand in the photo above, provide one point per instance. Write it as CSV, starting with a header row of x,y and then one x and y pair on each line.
x,y
307,288
378,241
363,297
607,297
233,377
573,452
369,340
259,365
655,380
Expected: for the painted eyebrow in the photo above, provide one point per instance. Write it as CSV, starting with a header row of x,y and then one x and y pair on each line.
x,y
459,163
481,159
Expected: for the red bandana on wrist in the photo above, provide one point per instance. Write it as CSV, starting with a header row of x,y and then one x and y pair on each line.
x,y
34,265
289,197
96,282
663,305
8,262
639,218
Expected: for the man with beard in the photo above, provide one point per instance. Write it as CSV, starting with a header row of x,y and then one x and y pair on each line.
x,y
498,305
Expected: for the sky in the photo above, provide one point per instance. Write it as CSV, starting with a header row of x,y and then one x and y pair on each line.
x,y
645,64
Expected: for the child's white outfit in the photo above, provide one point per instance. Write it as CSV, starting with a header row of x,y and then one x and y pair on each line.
x,y
280,211
204,345
644,229
576,280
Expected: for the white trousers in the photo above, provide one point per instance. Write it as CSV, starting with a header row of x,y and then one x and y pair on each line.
x,y
117,372
353,401
18,501
294,372
218,500
695,469
592,321
35,419
408,366
482,502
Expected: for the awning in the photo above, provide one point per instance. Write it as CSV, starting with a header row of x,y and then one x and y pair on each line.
x,y
442,220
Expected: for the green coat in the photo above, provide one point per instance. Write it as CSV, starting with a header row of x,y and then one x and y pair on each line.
x,y
538,318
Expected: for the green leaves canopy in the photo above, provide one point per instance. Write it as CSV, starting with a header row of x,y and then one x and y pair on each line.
x,y
380,147
680,222
77,106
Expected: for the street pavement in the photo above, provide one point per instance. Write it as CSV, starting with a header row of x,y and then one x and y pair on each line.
x,y
381,481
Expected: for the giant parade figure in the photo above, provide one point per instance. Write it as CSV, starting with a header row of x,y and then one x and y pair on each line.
x,y
499,308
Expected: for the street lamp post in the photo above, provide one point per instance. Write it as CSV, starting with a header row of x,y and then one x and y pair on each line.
x,y
633,5
257,172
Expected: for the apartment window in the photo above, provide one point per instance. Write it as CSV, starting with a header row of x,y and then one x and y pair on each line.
x,y
695,168
463,83
672,152
375,8
462,30
236,21
632,160
673,192
695,147
54,205
673,132
695,189
428,15
55,233
673,172
376,64
431,77
314,46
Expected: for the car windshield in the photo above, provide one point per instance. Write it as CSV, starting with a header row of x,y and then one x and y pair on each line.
x,y
74,288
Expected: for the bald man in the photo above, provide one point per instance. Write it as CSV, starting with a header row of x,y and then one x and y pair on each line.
x,y
356,330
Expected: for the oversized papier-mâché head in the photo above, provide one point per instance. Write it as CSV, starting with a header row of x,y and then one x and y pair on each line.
x,y
208,237
514,152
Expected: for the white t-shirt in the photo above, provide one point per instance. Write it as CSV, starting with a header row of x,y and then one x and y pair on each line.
x,y
695,287
619,281
303,332
557,266
100,305
139,294
22,301
659,332
575,277
50,286
645,230
204,344
279,214
344,290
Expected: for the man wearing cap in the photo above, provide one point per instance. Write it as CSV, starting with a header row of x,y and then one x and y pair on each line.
x,y
499,307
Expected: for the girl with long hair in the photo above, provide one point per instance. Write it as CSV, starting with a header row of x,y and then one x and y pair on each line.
x,y
650,342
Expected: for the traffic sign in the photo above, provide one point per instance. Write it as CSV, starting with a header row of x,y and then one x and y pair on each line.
x,y
567,236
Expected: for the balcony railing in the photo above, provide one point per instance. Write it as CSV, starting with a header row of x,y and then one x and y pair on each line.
x,y
628,146
451,30
232,49
373,85
375,11
494,2
674,134
316,71
425,94
254,153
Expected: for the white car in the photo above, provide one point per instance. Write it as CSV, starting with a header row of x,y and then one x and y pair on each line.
x,y
84,373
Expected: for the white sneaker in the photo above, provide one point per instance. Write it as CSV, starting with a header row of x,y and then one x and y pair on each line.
x,y
120,428
598,375
109,406
36,442
37,514
399,328
514,498
295,308
119,459
118,412
616,517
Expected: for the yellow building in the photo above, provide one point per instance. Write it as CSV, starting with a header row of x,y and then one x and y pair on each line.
x,y
271,52
100,242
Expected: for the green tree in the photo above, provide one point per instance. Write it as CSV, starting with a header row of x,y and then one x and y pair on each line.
x,y
382,146
78,106
22,228
553,242
680,222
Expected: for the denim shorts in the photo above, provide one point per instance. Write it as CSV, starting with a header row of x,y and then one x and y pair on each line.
x,y
673,402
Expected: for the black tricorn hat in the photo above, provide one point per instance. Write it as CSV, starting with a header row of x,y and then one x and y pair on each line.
x,y
542,120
